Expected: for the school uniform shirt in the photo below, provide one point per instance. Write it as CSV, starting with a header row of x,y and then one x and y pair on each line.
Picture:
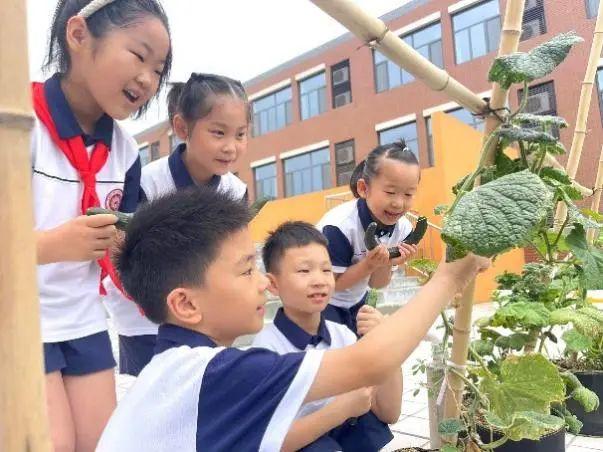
x,y
197,396
70,303
344,228
367,433
160,177
284,336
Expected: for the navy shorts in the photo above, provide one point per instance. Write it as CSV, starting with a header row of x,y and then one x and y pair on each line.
x,y
135,352
82,356
345,316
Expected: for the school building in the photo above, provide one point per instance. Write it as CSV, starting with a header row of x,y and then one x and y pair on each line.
x,y
317,115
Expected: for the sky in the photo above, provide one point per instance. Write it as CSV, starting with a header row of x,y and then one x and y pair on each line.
x,y
238,38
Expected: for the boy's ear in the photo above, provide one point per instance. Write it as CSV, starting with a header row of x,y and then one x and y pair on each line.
x,y
362,188
180,127
76,33
272,284
183,306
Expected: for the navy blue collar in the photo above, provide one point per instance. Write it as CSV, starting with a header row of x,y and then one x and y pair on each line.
x,y
64,119
366,218
170,336
297,336
179,172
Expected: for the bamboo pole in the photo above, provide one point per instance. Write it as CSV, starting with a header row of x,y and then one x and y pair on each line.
x,y
583,108
23,422
376,34
597,197
511,32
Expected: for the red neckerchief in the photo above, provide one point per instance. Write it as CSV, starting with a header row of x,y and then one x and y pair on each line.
x,y
87,169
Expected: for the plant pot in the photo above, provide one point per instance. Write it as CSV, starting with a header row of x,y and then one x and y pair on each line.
x,y
552,442
593,421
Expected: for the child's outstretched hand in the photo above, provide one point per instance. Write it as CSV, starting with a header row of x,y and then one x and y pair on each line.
x,y
83,238
367,319
355,403
377,257
406,252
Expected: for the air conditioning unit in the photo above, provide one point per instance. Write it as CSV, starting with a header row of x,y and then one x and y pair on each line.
x,y
530,29
340,75
539,103
344,155
342,99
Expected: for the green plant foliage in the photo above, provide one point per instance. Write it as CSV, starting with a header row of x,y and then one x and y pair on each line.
x,y
498,216
542,60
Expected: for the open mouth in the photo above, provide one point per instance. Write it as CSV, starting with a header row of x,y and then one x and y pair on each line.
x,y
133,98
392,215
318,297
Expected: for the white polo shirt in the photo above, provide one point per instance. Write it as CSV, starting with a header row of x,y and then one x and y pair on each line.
x,y
70,303
284,336
344,227
196,396
160,177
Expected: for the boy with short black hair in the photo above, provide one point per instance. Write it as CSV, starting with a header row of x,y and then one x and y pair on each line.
x,y
189,261
299,269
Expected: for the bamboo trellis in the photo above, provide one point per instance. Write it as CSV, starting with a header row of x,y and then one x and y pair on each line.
x,y
23,420
586,91
597,196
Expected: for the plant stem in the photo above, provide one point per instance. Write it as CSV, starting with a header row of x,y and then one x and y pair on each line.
x,y
549,251
480,360
470,384
524,101
523,154
561,231
543,338
495,444
542,256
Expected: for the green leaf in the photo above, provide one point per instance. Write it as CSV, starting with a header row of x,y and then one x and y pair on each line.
x,y
587,321
498,216
572,423
441,209
528,314
482,347
513,134
592,215
577,216
521,399
503,342
585,397
372,298
518,340
575,341
591,259
555,174
570,380
448,448
450,427
530,119
524,67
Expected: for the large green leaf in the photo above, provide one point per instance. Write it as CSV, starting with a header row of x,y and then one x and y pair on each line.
x,y
450,426
585,397
499,215
528,314
591,259
512,134
539,120
587,321
576,341
482,347
540,61
520,401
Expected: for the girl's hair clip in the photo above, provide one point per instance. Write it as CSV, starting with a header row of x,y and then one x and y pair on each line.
x,y
93,7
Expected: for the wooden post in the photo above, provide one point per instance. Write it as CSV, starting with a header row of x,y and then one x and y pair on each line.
x,y
583,108
597,196
23,420
511,32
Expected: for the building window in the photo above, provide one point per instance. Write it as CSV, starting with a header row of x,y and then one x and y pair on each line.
x,y
534,23
312,96
541,101
341,86
308,172
265,181
407,131
600,90
145,154
272,112
427,41
592,7
476,31
345,162
155,150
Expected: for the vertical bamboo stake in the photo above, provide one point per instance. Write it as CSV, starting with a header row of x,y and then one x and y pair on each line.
x,y
511,32
597,196
23,423
583,108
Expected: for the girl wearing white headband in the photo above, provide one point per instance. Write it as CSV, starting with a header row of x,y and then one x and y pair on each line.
x,y
111,57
